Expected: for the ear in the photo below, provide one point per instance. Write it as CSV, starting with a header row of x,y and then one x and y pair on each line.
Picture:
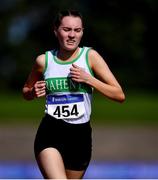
x,y
55,31
82,31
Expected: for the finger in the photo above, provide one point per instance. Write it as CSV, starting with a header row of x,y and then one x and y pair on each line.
x,y
76,79
40,82
40,85
39,93
75,66
75,76
74,73
73,69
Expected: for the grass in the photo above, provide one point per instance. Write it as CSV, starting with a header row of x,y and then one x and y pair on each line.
x,y
138,109
15,109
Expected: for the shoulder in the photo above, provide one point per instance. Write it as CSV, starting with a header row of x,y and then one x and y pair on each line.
x,y
40,62
94,57
40,59
93,53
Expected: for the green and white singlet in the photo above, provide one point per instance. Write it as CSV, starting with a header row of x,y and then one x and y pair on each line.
x,y
67,99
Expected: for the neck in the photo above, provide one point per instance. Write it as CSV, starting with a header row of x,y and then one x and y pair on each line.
x,y
65,55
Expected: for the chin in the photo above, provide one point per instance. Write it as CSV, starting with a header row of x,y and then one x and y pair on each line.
x,y
71,48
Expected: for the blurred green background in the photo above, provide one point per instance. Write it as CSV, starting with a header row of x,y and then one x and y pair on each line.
x,y
138,109
123,32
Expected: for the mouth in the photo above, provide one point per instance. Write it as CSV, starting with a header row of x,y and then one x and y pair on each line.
x,y
70,42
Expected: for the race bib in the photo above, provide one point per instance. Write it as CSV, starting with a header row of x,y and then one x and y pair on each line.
x,y
68,106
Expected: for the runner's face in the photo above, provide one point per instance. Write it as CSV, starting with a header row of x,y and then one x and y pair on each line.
x,y
69,32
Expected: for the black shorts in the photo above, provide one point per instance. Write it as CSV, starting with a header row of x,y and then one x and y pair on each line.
x,y
73,141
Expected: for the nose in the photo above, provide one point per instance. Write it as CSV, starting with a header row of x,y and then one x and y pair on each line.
x,y
71,34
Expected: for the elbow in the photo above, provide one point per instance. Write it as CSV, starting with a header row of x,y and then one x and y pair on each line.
x,y
24,95
121,98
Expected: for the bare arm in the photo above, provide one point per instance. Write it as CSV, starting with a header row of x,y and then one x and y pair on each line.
x,y
34,87
104,82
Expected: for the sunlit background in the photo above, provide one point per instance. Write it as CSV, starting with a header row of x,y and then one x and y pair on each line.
x,y
125,136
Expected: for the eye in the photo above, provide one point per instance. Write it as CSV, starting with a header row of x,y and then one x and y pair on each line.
x,y
66,29
78,30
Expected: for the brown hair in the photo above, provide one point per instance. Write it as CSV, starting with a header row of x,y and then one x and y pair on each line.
x,y
64,13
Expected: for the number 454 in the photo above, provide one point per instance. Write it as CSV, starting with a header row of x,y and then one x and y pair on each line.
x,y
66,111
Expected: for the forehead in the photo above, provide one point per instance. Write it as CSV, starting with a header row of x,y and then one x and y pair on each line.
x,y
71,21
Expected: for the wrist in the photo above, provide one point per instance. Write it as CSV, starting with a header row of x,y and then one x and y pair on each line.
x,y
28,93
32,94
90,80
